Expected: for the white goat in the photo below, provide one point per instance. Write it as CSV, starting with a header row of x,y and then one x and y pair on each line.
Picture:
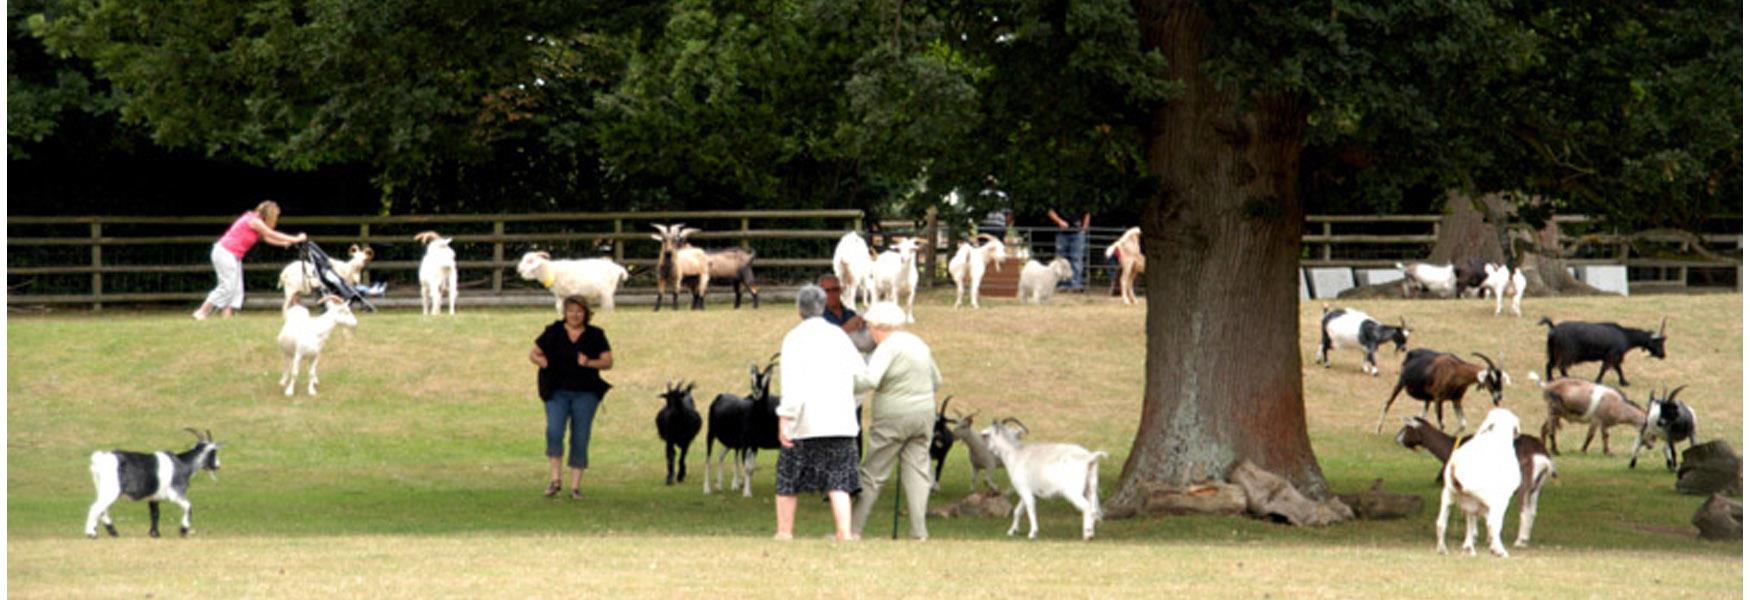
x,y
437,273
1046,470
1131,262
1442,281
896,272
1039,282
854,267
302,336
1481,477
1503,282
593,278
969,262
299,277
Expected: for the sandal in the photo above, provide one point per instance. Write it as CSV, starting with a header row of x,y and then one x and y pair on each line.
x,y
552,488
576,494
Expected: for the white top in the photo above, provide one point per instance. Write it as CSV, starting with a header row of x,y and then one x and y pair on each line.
x,y
904,375
818,372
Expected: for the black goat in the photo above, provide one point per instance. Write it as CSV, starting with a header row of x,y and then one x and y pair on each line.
x,y
1434,377
678,423
1573,342
1669,419
1471,272
152,476
743,425
941,441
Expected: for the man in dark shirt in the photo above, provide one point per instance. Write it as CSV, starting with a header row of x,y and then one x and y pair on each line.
x,y
838,314
1072,244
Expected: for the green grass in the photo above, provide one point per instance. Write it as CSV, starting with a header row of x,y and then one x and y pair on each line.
x,y
420,465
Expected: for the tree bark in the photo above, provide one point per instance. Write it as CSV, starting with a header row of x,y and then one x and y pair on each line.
x,y
1222,236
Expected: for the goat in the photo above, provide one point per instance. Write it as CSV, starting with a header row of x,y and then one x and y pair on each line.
x,y
1038,470
677,423
596,278
896,273
1481,478
967,266
299,277
1502,282
1440,281
302,336
941,441
1468,274
1038,282
1432,377
1669,420
1573,342
735,266
853,265
977,451
1583,401
743,425
1131,262
1350,328
677,260
1536,467
437,273
154,477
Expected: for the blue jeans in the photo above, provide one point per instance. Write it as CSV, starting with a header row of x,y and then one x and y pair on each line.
x,y
579,407
1072,244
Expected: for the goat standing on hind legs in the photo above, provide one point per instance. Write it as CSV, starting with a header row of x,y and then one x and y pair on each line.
x,y
1131,262
1481,478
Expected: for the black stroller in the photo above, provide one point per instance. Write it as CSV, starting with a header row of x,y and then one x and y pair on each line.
x,y
331,282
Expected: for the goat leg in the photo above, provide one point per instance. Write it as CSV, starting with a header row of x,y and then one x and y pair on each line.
x,y
1380,426
668,448
683,466
153,508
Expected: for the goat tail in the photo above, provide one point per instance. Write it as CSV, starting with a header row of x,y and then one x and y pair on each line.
x,y
1546,322
1094,459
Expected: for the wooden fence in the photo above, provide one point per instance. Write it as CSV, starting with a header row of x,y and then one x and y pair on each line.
x,y
68,254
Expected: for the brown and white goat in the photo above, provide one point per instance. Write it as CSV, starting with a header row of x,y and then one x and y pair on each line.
x,y
299,277
1536,467
1434,377
735,266
679,260
1581,401
1131,262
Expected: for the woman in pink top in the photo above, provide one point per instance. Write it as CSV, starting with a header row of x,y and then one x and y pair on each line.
x,y
228,255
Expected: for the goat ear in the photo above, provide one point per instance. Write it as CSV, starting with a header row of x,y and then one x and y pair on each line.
x,y
353,249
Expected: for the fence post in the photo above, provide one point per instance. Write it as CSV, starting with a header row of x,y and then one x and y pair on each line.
x,y
96,266
930,247
619,244
1327,230
745,243
365,239
497,257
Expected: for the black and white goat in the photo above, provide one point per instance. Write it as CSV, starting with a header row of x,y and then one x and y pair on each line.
x,y
1352,329
1669,420
1434,377
152,476
941,441
743,426
1573,342
677,423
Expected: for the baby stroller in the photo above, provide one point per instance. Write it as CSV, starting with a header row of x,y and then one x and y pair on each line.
x,y
331,282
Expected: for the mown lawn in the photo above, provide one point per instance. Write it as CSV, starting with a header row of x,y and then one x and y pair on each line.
x,y
417,472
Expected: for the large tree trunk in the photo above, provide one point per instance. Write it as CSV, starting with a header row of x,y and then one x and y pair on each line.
x,y
1223,240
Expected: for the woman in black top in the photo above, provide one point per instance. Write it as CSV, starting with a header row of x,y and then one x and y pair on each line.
x,y
572,354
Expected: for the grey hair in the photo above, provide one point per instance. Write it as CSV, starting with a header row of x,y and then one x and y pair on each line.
x,y
811,301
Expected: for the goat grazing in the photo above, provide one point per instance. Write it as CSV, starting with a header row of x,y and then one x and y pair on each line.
x,y
1039,282
854,267
1441,281
1669,420
299,277
1536,467
437,273
734,266
1583,401
152,476
896,273
967,266
941,441
1434,377
743,426
1039,470
1573,342
1481,477
678,260
1131,262
594,278
1502,282
1350,328
302,336
677,423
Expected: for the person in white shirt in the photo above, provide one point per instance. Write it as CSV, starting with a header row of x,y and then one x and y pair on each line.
x,y
817,422
902,416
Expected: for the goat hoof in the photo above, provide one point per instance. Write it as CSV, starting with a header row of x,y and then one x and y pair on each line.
x,y
153,533
91,535
186,531
111,529
1521,544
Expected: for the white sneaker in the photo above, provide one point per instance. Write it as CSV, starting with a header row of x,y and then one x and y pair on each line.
x,y
199,316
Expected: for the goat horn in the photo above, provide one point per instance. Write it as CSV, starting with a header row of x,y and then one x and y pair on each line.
x,y
1662,326
209,435
1017,423
660,228
197,434
1672,396
1486,359
944,409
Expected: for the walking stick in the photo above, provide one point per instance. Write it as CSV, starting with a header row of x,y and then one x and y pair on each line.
x,y
896,470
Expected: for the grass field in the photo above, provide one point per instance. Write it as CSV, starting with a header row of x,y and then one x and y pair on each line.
x,y
418,470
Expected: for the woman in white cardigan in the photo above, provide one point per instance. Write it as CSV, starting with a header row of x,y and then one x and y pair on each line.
x,y
817,419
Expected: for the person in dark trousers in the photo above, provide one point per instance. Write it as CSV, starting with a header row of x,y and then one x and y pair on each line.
x,y
1072,244
571,354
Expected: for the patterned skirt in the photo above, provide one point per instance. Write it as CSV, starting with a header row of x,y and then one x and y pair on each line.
x,y
818,465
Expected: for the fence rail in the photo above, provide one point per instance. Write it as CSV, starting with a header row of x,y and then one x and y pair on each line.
x,y
797,240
